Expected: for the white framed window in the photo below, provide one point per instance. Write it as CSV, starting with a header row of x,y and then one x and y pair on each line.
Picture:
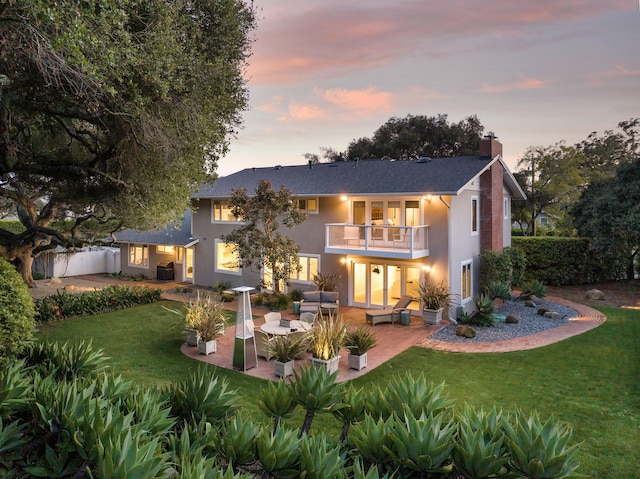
x,y
227,258
310,205
467,281
475,216
221,212
179,254
165,249
505,208
309,267
139,255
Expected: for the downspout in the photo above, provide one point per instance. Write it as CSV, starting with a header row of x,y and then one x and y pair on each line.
x,y
445,203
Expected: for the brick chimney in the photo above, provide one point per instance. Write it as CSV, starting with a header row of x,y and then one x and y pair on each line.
x,y
491,197
490,146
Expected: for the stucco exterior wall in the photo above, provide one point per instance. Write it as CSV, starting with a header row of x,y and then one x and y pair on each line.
x,y
465,245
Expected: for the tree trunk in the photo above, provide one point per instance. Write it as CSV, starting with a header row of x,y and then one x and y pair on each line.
x,y
24,262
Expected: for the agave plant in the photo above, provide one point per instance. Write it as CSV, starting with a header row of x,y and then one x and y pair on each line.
x,y
236,441
314,390
485,308
350,410
498,290
276,401
423,444
406,392
359,472
479,451
201,394
319,459
372,441
540,451
15,388
279,453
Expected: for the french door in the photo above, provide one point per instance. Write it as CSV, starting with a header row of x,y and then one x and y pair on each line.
x,y
377,284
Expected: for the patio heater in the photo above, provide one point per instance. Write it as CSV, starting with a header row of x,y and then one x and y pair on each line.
x,y
244,347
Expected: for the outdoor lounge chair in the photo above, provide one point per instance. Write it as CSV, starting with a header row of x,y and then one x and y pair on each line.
x,y
388,315
309,317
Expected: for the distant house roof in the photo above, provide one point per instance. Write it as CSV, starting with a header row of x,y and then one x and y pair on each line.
x,y
445,176
175,234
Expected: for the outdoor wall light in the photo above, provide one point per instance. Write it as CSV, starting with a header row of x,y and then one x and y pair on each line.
x,y
426,268
427,197
343,260
344,198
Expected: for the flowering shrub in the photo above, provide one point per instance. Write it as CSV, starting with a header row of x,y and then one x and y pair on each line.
x,y
64,305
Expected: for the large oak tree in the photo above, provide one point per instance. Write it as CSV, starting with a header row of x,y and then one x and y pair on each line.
x,y
113,109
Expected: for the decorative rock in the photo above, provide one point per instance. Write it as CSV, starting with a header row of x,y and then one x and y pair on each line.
x,y
529,304
552,315
542,311
465,331
595,294
55,281
69,287
511,319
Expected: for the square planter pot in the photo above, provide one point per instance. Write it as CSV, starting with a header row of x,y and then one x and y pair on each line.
x,y
207,347
432,316
282,370
357,362
192,336
330,365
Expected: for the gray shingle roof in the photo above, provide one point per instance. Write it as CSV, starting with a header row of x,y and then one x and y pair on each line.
x,y
175,234
382,177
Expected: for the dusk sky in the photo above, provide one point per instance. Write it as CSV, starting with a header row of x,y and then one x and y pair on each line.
x,y
535,72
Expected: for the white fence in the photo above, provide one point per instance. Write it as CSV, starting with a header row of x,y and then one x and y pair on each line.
x,y
92,260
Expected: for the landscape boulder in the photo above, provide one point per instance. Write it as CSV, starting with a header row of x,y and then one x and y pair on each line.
x,y
55,281
465,331
552,315
529,303
542,311
511,319
594,294
69,287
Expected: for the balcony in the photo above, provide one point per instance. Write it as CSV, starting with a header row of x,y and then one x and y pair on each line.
x,y
403,242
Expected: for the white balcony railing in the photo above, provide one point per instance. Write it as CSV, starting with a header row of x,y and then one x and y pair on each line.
x,y
382,241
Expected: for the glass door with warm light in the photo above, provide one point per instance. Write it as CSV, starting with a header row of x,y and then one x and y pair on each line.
x,y
378,285
188,264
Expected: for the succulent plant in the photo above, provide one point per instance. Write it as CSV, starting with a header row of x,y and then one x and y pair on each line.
x,y
537,450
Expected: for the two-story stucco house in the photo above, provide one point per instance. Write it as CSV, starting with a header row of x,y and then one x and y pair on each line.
x,y
383,225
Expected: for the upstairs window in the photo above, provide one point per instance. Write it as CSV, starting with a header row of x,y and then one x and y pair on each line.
x,y
412,213
221,211
310,205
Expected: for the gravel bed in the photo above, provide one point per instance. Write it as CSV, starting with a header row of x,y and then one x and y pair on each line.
x,y
529,322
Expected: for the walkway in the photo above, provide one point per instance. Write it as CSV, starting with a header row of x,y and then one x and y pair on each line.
x,y
392,338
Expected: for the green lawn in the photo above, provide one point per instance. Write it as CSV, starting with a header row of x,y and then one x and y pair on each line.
x,y
591,381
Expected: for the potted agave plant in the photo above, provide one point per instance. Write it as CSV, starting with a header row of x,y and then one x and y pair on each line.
x,y
358,341
285,349
434,298
325,342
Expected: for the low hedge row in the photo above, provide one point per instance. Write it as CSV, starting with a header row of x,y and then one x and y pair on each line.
x,y
64,305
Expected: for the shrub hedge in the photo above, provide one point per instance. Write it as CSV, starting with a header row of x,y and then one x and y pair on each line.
x,y
559,261
16,312
64,305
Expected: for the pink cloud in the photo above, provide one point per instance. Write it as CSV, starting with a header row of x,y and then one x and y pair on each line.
x,y
273,106
304,112
360,102
338,37
621,71
524,84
